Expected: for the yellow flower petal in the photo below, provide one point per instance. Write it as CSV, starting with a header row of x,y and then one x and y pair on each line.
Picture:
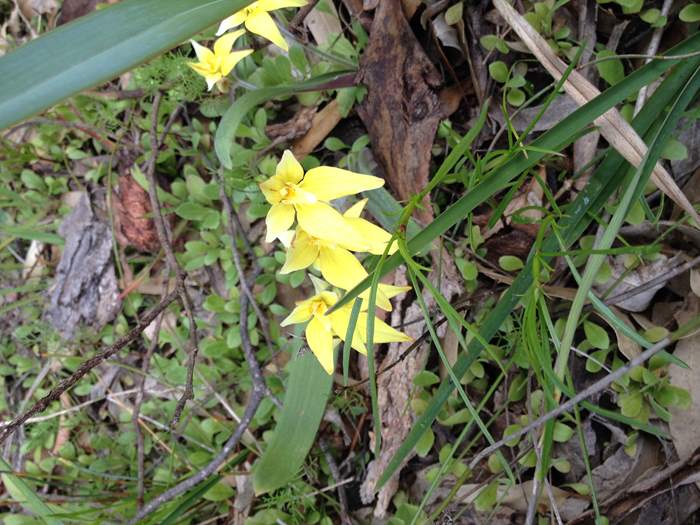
x,y
392,291
323,222
354,211
261,23
279,219
320,340
301,254
223,45
232,21
232,59
340,268
286,238
383,333
374,236
329,183
382,300
300,314
340,320
211,81
204,54
271,5
271,189
289,170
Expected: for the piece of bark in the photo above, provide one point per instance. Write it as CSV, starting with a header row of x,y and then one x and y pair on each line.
x,y
133,223
322,124
85,289
72,9
293,128
402,108
395,388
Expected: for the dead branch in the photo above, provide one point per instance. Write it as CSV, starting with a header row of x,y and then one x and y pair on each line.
x,y
164,236
91,363
596,387
256,396
232,226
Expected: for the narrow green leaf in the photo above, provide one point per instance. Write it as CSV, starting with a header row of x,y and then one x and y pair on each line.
x,y
226,132
23,494
98,47
354,315
304,404
600,187
30,234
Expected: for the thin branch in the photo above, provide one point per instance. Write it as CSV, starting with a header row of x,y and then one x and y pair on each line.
x,y
137,411
256,396
335,472
164,236
596,387
232,225
661,279
89,364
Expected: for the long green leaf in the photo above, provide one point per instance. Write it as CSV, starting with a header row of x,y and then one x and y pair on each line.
x,y
555,139
226,132
97,48
23,494
304,404
599,189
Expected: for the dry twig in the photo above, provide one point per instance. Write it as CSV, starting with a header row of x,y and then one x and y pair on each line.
x,y
164,236
596,387
91,363
256,396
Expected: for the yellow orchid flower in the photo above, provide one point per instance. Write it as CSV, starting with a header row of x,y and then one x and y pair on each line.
x,y
293,193
257,20
322,328
337,265
217,64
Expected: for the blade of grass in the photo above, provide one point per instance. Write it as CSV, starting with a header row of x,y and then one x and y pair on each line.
x,y
634,186
593,197
23,494
354,314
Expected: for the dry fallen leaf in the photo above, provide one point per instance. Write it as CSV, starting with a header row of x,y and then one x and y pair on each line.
x,y
616,130
626,280
627,346
402,108
685,423
133,223
322,124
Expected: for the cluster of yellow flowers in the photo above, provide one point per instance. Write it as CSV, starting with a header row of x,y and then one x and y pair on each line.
x,y
217,64
323,239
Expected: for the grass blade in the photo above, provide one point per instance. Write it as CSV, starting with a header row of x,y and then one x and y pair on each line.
x,y
600,187
23,494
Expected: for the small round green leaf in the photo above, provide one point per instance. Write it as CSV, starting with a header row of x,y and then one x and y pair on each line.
x,y
596,335
510,263
498,71
690,13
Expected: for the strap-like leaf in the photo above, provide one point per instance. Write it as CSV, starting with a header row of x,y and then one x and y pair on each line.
x,y
97,48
